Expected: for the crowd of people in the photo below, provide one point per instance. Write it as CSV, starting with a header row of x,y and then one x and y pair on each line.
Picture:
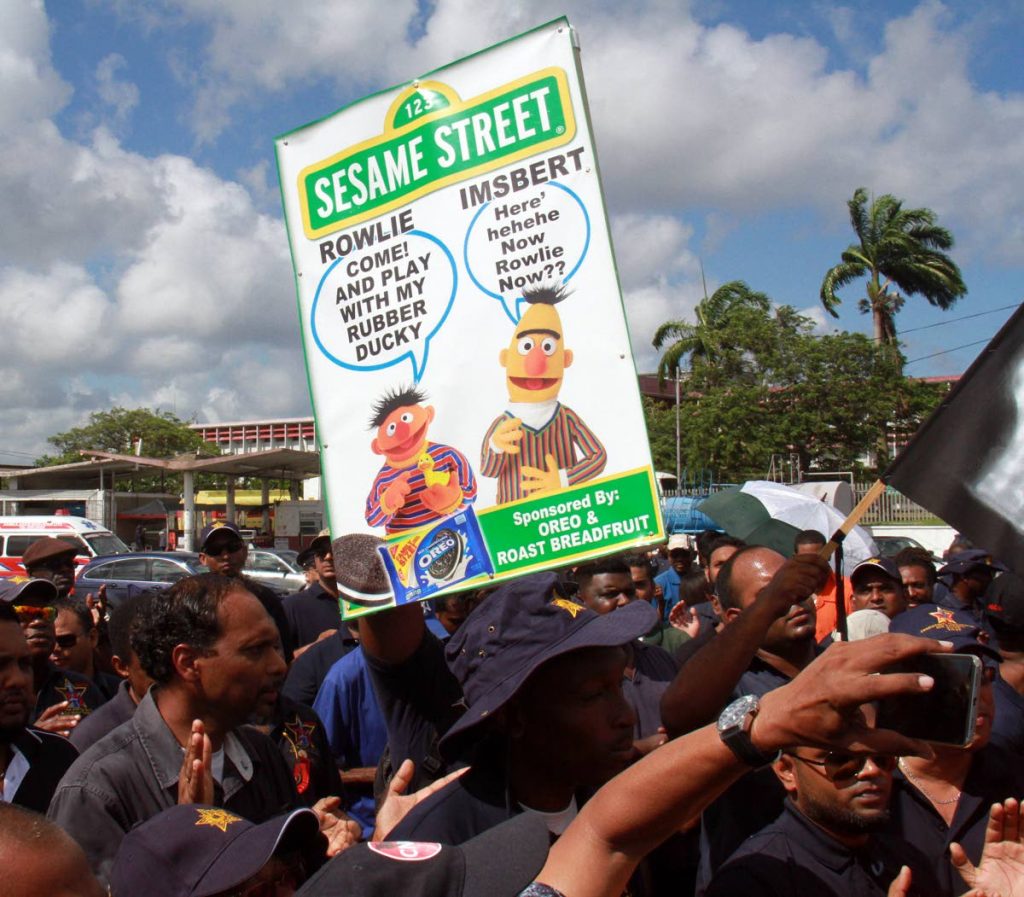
x,y
674,722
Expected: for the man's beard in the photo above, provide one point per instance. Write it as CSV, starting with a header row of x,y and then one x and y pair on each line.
x,y
842,820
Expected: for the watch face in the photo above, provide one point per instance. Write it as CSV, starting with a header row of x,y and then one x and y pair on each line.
x,y
736,712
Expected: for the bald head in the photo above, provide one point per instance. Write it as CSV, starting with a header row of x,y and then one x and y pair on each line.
x,y
38,857
744,575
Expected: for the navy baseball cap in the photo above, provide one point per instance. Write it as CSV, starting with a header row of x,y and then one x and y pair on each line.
x,y
944,624
211,529
26,589
1004,601
194,850
963,562
520,626
499,862
879,565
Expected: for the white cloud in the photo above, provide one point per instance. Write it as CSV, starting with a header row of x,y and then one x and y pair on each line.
x,y
32,89
687,114
652,247
121,96
156,281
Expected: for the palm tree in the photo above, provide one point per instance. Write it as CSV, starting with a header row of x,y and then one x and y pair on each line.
x,y
699,340
901,252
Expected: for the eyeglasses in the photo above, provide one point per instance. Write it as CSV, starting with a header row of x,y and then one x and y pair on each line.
x,y
839,767
67,641
29,612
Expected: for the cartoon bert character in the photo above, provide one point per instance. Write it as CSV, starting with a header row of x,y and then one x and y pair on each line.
x,y
538,445
420,481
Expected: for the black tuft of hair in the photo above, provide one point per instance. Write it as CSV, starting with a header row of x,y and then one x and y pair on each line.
x,y
397,398
546,295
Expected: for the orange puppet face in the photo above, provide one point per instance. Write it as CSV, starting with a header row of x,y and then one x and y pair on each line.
x,y
536,359
403,435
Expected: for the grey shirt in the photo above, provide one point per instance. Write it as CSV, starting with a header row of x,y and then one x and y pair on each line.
x,y
132,774
90,729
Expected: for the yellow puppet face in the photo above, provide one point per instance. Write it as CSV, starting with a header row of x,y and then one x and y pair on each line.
x,y
536,358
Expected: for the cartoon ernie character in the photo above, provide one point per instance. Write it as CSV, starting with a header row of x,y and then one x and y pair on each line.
x,y
420,481
538,445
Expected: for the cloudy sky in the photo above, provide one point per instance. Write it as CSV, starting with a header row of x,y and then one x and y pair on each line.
x,y
143,257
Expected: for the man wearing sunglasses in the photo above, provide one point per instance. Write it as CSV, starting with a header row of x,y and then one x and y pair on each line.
x,y
76,638
314,610
222,551
62,697
825,842
31,762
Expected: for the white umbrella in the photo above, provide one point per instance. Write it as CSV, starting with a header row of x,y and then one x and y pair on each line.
x,y
806,512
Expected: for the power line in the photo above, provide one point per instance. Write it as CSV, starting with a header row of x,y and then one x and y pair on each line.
x,y
12,452
979,314
947,351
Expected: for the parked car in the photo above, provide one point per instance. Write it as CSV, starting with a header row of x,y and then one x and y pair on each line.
x,y
128,575
890,546
274,570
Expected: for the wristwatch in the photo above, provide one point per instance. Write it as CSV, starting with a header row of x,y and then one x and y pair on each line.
x,y
734,729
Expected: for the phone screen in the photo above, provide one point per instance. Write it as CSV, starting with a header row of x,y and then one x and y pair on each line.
x,y
947,713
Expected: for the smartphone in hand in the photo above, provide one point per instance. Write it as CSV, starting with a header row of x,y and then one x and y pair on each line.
x,y
944,715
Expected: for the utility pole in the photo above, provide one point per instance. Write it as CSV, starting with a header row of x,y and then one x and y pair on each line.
x,y
679,460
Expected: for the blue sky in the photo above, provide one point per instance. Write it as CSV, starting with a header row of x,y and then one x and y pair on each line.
x,y
147,262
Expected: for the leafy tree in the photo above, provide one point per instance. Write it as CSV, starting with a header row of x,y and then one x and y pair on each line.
x,y
701,341
829,399
902,252
163,435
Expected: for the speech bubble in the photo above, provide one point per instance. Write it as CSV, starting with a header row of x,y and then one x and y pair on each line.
x,y
383,304
534,237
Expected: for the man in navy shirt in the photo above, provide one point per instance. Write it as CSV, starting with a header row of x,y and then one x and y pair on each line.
x,y
825,843
315,609
766,639
947,798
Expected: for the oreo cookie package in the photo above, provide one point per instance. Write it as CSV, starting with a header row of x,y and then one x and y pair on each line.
x,y
422,563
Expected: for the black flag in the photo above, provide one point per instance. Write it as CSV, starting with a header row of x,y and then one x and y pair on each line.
x,y
966,462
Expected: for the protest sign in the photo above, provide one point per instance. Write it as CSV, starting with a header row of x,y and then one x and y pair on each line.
x,y
966,462
466,346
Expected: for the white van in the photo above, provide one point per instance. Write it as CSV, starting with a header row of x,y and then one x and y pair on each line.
x,y
91,539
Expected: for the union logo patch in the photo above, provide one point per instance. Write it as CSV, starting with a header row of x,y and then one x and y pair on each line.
x,y
944,620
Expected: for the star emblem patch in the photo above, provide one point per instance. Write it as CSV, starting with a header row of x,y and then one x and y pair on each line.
x,y
300,735
944,621
75,696
571,606
216,818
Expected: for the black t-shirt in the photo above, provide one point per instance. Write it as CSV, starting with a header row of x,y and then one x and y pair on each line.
x,y
299,735
310,668
49,756
793,857
749,804
995,775
310,612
